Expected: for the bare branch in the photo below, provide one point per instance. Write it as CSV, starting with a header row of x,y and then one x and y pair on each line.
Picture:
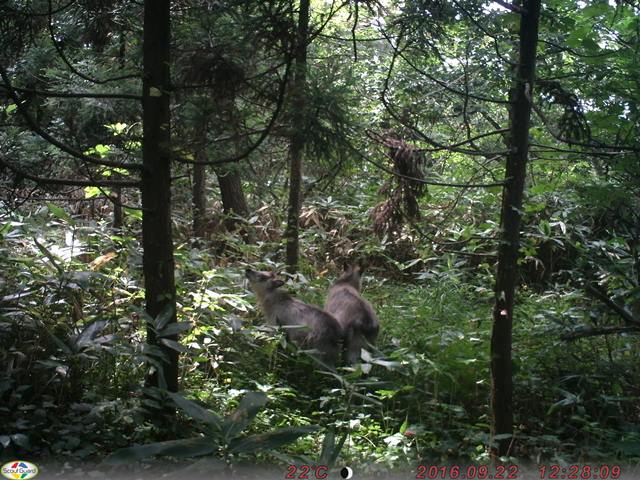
x,y
452,145
562,48
510,6
542,148
358,39
41,14
69,181
470,254
621,310
426,182
55,94
332,12
263,135
353,31
437,145
486,32
595,332
448,87
558,137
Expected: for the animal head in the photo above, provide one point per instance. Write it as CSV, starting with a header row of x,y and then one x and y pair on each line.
x,y
262,282
352,275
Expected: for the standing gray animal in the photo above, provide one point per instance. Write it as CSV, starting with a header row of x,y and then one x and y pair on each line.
x,y
356,316
306,325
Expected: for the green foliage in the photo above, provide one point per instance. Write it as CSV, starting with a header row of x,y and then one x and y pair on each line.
x,y
72,325
220,434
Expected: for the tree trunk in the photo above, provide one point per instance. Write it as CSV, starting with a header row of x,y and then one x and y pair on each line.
x,y
507,271
232,195
298,122
157,259
234,202
118,216
199,198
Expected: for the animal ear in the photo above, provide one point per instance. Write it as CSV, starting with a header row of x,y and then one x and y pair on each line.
x,y
277,283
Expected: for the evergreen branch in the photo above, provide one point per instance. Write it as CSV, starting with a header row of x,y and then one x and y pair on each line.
x,y
33,125
66,61
68,181
55,94
263,135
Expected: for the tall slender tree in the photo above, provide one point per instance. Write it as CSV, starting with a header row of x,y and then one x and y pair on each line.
x,y
155,171
298,121
158,264
507,269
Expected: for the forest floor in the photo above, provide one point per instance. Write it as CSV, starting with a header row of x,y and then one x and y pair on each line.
x,y
420,397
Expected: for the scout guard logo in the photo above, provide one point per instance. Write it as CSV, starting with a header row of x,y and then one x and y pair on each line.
x,y
19,469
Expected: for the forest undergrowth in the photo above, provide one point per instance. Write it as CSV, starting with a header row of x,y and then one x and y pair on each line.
x,y
73,319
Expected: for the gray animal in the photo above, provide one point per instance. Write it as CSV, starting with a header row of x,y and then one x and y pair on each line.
x,y
356,316
306,325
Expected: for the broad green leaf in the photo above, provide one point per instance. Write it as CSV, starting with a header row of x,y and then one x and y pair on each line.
x,y
389,365
102,150
590,45
596,9
133,212
196,411
117,128
184,448
331,450
92,192
163,317
59,212
405,425
367,399
6,228
365,355
63,346
328,444
271,440
249,407
174,328
544,228
89,332
21,440
541,187
178,347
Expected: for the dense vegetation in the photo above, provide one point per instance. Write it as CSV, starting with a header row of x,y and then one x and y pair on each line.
x,y
371,131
